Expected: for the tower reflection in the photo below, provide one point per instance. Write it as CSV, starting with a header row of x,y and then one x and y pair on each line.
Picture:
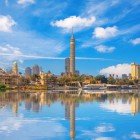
x,y
72,120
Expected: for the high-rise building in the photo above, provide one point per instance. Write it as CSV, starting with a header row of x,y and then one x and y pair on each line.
x,y
72,54
67,65
35,70
135,71
15,68
28,72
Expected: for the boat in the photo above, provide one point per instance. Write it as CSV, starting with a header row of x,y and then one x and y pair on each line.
x,y
94,87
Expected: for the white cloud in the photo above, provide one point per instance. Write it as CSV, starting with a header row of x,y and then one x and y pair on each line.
x,y
6,23
98,8
30,46
135,135
8,49
135,41
76,22
104,49
104,33
117,70
117,106
24,2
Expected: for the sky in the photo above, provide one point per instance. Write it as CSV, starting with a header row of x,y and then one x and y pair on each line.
x,y
107,34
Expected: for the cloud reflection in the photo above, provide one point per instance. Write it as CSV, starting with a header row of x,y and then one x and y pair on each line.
x,y
117,106
45,128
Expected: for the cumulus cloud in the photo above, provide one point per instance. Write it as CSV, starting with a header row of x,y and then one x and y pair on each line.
x,y
104,49
104,33
135,41
76,22
117,70
6,23
23,2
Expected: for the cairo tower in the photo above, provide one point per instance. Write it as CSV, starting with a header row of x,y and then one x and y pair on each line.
x,y
72,54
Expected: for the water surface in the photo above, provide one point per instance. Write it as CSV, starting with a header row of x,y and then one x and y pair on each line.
x,y
69,115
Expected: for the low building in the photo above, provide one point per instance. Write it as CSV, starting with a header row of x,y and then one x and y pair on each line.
x,y
43,79
9,79
124,76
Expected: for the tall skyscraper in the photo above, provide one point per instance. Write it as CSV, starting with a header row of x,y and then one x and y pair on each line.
x,y
28,72
72,54
36,70
15,68
135,71
67,65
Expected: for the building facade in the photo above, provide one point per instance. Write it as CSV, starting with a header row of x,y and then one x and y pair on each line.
x,y
67,65
135,71
15,68
28,72
9,79
72,54
36,70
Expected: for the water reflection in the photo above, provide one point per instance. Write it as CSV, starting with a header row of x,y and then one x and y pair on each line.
x,y
122,103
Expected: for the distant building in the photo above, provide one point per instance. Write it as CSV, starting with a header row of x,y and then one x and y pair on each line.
x,y
36,70
135,71
28,72
124,76
77,72
8,79
67,65
15,68
43,79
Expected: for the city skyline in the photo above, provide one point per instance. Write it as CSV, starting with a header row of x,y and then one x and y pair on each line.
x,y
39,37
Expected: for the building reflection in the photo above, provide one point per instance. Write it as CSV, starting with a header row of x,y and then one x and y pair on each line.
x,y
135,105
69,99
72,120
70,116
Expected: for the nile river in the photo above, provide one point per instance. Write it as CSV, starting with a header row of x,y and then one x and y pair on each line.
x,y
69,115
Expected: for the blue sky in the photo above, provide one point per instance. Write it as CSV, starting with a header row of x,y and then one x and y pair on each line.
x,y
33,30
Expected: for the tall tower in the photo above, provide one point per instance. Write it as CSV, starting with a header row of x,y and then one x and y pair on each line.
x,y
72,54
15,68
